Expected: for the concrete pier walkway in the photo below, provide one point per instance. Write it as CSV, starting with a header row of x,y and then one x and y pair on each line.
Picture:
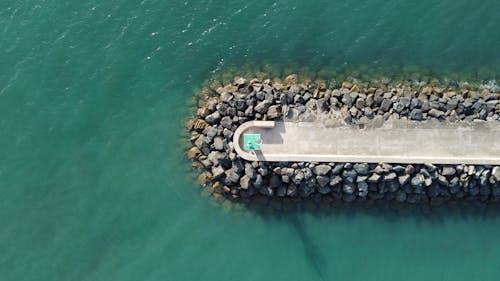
x,y
391,141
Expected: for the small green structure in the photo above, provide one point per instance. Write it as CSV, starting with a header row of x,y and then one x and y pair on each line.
x,y
252,142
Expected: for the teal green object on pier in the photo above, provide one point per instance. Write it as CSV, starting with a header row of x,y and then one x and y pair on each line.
x,y
252,142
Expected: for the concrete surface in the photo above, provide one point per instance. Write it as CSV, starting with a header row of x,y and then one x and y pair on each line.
x,y
391,141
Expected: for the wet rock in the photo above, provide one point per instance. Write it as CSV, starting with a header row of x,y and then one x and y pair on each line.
x,y
292,190
362,189
281,191
193,152
401,196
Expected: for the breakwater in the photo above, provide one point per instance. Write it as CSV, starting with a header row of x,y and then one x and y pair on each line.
x,y
222,172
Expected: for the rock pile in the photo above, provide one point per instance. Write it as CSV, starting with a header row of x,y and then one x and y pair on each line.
x,y
224,172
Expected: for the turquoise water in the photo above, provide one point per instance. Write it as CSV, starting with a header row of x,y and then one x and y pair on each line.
x,y
92,181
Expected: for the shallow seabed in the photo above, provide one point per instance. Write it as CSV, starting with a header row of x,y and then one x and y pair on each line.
x,y
93,185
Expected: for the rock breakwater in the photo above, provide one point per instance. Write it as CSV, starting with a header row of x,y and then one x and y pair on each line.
x,y
223,173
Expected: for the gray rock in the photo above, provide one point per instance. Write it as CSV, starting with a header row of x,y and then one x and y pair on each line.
x,y
398,169
275,181
417,180
374,178
228,134
232,177
362,189
202,142
291,190
496,173
267,191
345,115
442,180
386,105
213,118
218,143
348,187
274,112
322,180
349,175
430,167
435,113
362,168
416,114
285,179
409,169
263,171
311,105
288,171
322,169
390,176
245,182
448,171
211,132
281,191
217,172
335,181
337,168
427,181
214,157
226,122
305,190
307,173
324,189
299,177
249,171
262,106
404,179
401,196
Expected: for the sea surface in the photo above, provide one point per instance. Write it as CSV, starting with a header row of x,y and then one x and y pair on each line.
x,y
93,183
